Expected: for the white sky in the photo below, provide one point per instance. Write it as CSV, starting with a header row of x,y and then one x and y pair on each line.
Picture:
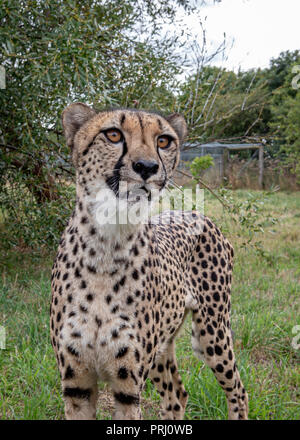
x,y
259,29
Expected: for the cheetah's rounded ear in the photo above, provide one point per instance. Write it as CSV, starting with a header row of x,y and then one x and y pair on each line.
x,y
73,117
178,123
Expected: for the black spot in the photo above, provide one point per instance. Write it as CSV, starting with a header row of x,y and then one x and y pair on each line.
x,y
122,280
124,317
207,248
72,351
210,311
229,374
83,285
98,321
137,355
122,351
210,330
135,274
204,264
205,285
115,334
220,334
216,296
77,273
69,373
214,277
129,300
210,351
75,249
91,269
79,393
123,373
218,350
127,399
220,368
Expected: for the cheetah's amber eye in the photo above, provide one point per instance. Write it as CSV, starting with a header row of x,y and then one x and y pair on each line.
x,y
113,135
163,141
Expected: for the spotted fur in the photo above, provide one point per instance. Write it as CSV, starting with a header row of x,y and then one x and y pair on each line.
x,y
120,293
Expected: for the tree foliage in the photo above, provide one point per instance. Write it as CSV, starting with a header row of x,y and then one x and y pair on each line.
x,y
104,52
111,53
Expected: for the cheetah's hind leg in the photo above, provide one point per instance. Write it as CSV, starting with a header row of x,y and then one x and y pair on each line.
x,y
212,343
164,374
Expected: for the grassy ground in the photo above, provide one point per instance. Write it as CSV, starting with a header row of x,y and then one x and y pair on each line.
x,y
265,308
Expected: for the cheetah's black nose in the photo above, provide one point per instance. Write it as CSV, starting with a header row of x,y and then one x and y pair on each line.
x,y
145,168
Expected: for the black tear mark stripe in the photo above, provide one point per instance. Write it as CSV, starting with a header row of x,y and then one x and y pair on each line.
x,y
79,393
127,399
174,163
164,168
110,181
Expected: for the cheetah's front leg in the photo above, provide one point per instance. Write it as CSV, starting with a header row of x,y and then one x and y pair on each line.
x,y
80,392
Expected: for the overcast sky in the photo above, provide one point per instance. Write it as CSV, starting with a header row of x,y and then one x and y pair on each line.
x,y
259,29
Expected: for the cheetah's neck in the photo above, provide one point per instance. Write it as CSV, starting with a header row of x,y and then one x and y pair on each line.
x,y
105,243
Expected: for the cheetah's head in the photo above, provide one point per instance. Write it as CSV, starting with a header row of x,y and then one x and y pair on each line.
x,y
131,146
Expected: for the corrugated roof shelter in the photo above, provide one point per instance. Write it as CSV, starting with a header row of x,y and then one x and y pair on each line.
x,y
220,153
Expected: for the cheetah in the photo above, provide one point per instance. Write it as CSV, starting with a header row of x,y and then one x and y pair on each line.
x,y
121,291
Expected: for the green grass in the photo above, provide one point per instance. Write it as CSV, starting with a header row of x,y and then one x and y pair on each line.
x,y
265,308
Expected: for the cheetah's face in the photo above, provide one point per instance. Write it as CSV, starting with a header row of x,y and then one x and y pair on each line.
x,y
114,147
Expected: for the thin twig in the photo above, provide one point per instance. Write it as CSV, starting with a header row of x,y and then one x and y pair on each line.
x,y
205,186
